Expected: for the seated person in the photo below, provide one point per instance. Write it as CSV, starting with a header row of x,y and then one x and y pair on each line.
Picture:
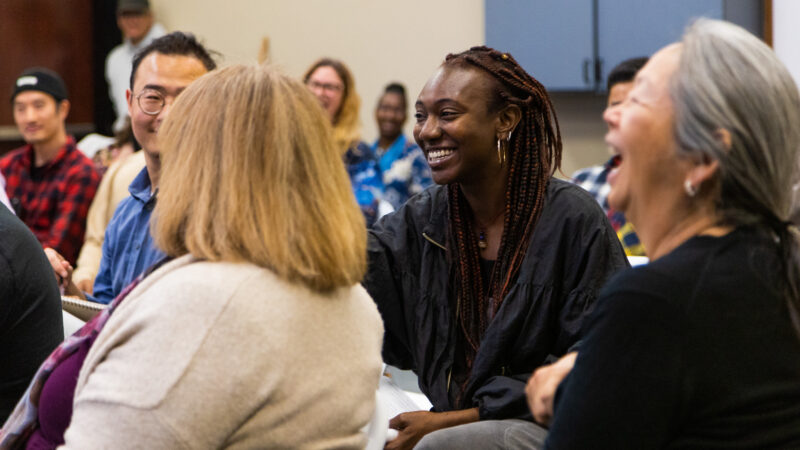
x,y
30,310
119,148
49,181
701,347
331,82
403,166
161,71
125,164
490,274
271,330
139,28
595,179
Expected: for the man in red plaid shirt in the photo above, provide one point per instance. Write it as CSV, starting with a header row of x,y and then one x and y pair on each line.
x,y
49,181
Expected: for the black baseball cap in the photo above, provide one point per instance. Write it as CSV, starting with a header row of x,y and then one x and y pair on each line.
x,y
40,79
139,6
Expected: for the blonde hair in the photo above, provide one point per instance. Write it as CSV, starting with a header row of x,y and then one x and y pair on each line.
x,y
346,125
249,173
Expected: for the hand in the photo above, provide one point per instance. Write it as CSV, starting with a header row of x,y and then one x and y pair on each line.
x,y
541,388
61,267
412,426
85,285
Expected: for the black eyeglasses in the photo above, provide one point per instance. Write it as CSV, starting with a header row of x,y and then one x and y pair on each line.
x,y
325,86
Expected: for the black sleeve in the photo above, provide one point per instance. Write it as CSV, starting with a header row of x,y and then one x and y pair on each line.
x,y
30,310
383,284
624,390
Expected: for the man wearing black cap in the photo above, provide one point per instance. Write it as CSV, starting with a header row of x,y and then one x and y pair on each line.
x,y
49,181
135,20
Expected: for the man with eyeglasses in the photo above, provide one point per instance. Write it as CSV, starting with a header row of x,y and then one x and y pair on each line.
x,y
160,72
49,182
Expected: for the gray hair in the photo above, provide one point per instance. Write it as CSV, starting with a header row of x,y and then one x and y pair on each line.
x,y
728,79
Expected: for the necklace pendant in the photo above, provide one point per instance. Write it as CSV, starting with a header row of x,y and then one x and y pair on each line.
x,y
482,240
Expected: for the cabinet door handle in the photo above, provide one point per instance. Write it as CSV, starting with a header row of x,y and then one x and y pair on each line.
x,y
587,65
598,71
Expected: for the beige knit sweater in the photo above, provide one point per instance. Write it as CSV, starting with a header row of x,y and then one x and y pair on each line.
x,y
222,355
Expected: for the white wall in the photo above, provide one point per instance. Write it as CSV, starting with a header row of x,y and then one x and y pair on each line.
x,y
380,40
786,34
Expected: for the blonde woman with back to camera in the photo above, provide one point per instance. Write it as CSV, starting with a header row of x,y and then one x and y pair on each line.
x,y
257,334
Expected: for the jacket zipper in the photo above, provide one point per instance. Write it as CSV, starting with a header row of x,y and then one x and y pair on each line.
x,y
430,239
458,303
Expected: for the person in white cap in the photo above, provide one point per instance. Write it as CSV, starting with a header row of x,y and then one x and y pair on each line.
x,y
135,20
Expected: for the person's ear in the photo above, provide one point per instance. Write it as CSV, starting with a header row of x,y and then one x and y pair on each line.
x,y
702,173
63,109
507,120
129,98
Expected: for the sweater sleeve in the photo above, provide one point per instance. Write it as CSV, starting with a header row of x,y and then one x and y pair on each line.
x,y
154,370
625,387
130,428
96,221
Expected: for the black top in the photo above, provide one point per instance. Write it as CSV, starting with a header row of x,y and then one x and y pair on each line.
x,y
695,350
30,309
572,252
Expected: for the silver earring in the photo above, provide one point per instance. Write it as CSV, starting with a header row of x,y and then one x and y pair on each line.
x,y
691,191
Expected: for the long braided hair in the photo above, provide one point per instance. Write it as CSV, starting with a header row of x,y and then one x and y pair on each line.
x,y
533,154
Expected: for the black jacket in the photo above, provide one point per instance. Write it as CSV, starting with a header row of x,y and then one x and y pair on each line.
x,y
572,253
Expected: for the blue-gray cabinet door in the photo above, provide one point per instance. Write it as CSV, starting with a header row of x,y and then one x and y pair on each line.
x,y
551,39
631,28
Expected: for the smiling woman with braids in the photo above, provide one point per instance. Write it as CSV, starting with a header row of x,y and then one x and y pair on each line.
x,y
488,276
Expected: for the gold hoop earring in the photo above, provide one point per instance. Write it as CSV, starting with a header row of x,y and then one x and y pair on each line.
x,y
501,154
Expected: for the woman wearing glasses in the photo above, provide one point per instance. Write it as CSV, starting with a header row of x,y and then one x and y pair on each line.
x,y
331,82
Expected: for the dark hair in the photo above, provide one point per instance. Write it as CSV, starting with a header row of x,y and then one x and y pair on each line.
x,y
625,71
175,43
396,88
534,153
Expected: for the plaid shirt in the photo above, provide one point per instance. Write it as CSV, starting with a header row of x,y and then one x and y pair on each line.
x,y
595,181
52,200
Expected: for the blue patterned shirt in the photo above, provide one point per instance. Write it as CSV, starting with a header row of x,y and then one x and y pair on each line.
x,y
404,169
365,178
